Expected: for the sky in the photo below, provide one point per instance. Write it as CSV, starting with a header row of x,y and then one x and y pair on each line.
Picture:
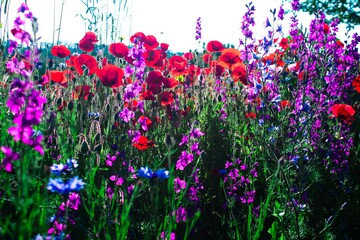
x,y
170,21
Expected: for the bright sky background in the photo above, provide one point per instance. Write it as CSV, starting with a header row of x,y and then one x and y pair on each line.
x,y
170,21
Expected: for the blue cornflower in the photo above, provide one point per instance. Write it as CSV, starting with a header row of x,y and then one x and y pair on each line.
x,y
162,173
146,172
57,169
73,185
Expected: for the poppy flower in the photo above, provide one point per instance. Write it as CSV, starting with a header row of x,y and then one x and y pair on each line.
x,y
60,51
119,49
214,46
155,77
87,43
194,72
339,43
284,103
356,83
188,56
151,57
326,28
71,62
284,43
85,60
178,66
143,143
251,115
344,112
110,76
166,98
170,82
207,58
164,47
139,36
238,72
146,95
150,42
82,92
229,57
57,76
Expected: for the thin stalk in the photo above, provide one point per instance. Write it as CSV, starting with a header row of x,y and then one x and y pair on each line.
x,y
61,15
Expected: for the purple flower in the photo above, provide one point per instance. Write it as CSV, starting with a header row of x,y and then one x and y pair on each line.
x,y
196,133
198,29
163,236
126,115
184,140
179,184
295,4
132,90
181,214
74,201
184,159
10,156
281,13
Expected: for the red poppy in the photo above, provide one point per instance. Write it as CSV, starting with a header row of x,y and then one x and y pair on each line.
x,y
85,60
71,62
217,68
82,92
150,42
339,43
110,76
194,72
207,58
229,57
178,66
60,51
188,56
146,95
284,104
87,43
271,58
344,112
166,98
57,76
139,36
251,115
143,143
356,83
326,28
238,73
151,57
155,78
119,49
214,46
170,82
164,47
284,43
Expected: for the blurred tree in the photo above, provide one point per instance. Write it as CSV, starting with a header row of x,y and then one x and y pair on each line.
x,y
348,11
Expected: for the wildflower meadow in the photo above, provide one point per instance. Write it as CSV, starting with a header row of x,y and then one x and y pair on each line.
x,y
133,141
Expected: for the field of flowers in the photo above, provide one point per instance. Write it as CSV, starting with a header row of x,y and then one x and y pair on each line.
x,y
135,142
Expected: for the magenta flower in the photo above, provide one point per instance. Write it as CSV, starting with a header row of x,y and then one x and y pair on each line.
x,y
181,214
126,115
179,184
184,159
10,156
